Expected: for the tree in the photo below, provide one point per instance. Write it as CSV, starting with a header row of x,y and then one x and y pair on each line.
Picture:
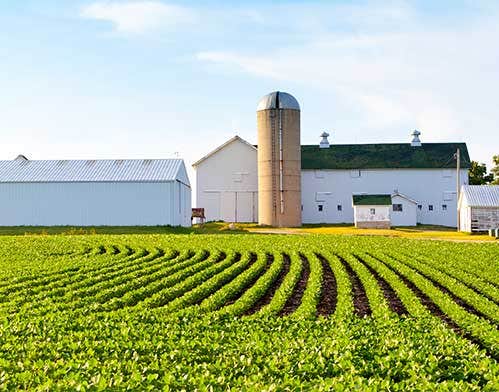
x,y
495,169
478,173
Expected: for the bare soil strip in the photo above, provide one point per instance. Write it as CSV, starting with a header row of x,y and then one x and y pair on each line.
x,y
360,300
267,297
395,303
294,300
222,256
329,291
436,311
463,283
270,260
461,302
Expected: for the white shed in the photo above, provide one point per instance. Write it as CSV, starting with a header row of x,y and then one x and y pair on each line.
x,y
478,208
94,193
372,211
404,210
227,182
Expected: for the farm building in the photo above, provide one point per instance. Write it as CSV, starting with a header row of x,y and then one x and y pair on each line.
x,y
94,192
227,181
421,177
404,210
372,211
478,208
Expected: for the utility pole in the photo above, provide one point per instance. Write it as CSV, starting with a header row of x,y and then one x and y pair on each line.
x,y
458,167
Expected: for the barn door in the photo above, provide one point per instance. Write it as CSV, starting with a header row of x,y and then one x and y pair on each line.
x,y
228,206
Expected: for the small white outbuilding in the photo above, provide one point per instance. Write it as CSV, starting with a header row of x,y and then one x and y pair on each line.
x,y
404,210
94,193
372,211
478,208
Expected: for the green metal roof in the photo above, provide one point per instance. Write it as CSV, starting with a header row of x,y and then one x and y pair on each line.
x,y
384,156
372,200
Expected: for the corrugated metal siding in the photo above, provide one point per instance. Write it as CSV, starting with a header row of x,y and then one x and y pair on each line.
x,y
481,195
152,170
93,204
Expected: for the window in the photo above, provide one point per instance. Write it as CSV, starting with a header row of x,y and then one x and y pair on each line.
x,y
420,207
339,207
397,207
444,207
354,173
373,211
321,196
319,174
449,195
320,207
430,207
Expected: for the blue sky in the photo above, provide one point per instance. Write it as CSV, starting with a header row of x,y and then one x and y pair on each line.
x,y
152,79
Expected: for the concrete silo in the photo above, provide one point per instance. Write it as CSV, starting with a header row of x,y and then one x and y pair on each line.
x,y
279,160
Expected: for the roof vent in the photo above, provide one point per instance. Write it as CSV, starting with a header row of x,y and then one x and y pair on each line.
x,y
415,140
21,157
324,142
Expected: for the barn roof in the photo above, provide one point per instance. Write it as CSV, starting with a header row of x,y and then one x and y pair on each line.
x,y
374,156
383,156
372,200
480,195
118,170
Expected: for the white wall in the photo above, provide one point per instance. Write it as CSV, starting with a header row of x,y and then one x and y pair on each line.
x,y
335,187
94,204
408,215
363,214
465,219
225,177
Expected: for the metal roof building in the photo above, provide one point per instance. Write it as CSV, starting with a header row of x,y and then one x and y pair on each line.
x,y
94,192
478,208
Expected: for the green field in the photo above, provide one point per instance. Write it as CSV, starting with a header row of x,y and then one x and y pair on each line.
x,y
247,312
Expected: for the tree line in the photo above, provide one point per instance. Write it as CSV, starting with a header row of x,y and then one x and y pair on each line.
x,y
478,173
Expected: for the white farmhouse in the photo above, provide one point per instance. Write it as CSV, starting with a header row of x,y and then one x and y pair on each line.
x,y
478,208
372,211
94,193
422,177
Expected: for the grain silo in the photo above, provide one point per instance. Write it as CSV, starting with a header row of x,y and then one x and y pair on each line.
x,y
279,160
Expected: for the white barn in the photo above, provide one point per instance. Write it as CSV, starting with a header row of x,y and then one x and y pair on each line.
x,y
478,208
227,182
94,193
425,173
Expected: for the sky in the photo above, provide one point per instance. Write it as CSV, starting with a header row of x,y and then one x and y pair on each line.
x,y
158,79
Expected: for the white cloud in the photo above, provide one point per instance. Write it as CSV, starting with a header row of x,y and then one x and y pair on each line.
x,y
442,80
139,16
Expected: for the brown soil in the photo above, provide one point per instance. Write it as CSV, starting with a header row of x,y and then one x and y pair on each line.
x,y
252,281
436,311
463,283
396,305
329,293
294,300
360,301
265,300
461,302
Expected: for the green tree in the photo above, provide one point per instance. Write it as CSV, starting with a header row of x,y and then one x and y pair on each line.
x,y
495,169
478,173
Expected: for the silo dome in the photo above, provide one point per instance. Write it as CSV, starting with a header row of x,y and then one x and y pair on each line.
x,y
278,100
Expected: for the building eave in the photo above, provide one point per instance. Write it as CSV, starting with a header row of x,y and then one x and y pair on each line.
x,y
221,147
